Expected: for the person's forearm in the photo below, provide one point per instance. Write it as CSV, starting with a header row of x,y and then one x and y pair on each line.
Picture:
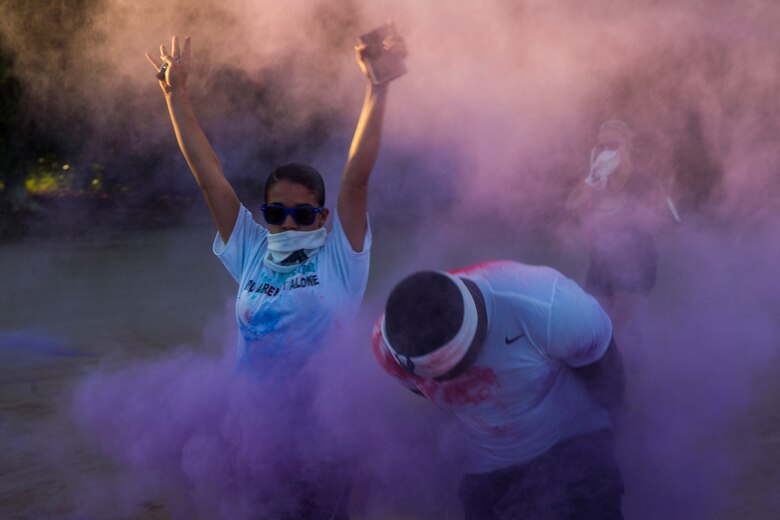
x,y
353,192
576,201
368,132
220,197
192,141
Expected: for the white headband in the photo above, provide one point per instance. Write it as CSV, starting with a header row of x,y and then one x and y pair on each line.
x,y
446,357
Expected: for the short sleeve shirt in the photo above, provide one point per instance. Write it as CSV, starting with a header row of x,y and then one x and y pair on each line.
x,y
520,396
283,318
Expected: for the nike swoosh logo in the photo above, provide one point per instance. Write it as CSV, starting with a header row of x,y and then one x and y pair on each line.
x,y
509,340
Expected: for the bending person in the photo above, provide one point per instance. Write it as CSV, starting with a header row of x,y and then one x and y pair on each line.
x,y
297,282
525,360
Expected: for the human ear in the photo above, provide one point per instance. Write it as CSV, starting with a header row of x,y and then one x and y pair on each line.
x,y
323,216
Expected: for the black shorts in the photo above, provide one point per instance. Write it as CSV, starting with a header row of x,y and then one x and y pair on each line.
x,y
577,479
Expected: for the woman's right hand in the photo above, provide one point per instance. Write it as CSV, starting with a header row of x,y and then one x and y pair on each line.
x,y
172,69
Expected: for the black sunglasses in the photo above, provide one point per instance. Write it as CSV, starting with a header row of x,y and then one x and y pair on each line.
x,y
275,214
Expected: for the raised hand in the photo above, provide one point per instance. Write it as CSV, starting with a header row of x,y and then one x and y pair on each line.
x,y
172,69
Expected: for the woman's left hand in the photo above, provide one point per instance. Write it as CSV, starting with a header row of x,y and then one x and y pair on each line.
x,y
393,43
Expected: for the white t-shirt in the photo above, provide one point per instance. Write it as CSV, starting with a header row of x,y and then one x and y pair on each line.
x,y
520,397
285,317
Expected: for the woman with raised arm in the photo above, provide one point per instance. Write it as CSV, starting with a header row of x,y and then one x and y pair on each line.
x,y
297,282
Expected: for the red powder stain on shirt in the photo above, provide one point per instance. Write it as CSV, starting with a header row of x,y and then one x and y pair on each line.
x,y
383,355
247,316
474,386
490,264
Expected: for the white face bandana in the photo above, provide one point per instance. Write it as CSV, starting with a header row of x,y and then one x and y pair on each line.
x,y
446,357
289,248
602,167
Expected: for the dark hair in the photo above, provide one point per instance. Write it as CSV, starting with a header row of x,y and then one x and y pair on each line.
x,y
299,174
423,312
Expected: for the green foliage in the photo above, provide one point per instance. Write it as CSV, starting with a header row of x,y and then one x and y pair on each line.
x,y
49,175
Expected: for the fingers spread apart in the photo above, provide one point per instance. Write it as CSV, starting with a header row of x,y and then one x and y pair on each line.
x,y
180,53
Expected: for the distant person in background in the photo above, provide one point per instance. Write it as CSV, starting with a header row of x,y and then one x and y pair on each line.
x,y
621,209
297,282
525,360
